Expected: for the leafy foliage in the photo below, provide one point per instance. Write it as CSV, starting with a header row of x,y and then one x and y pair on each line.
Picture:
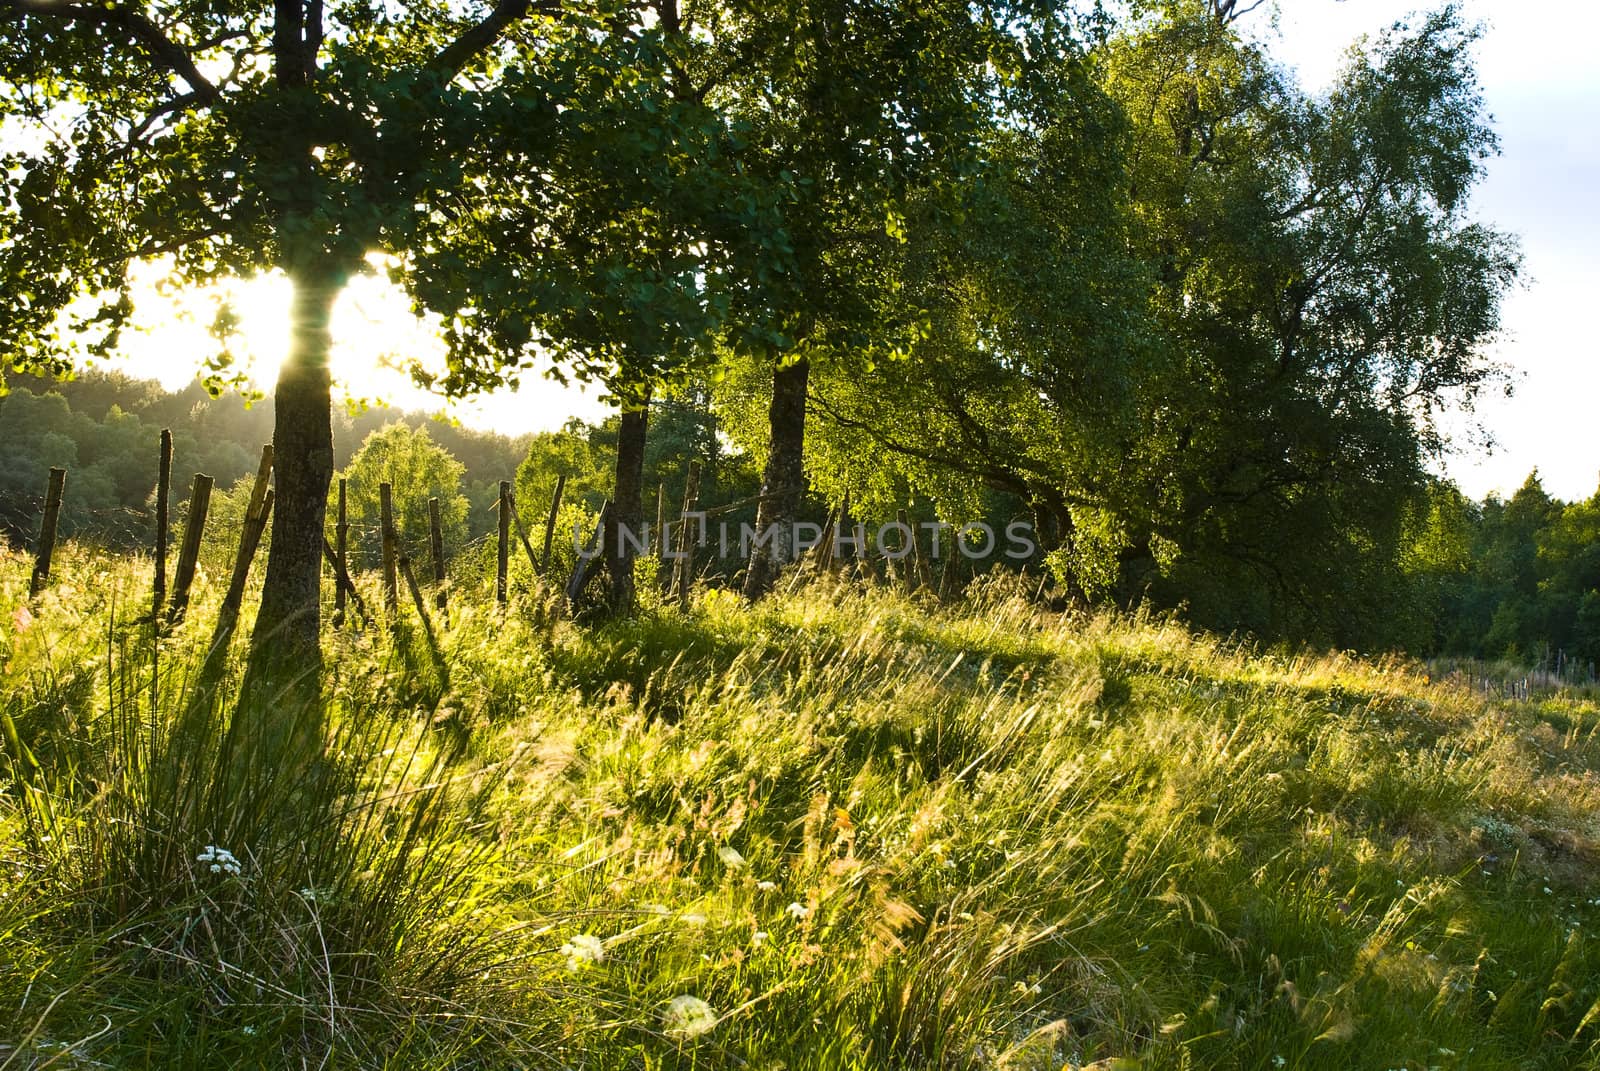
x,y
417,469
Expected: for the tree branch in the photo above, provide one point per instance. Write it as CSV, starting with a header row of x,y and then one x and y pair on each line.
x,y
476,40
136,25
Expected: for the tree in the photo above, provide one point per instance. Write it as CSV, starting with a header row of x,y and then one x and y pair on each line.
x,y
1022,381
855,107
1230,396
417,469
632,266
300,137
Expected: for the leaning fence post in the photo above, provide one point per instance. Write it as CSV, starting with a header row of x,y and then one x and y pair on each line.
x,y
951,577
47,531
189,551
391,579
550,524
163,493
656,541
343,583
436,548
683,568
503,560
341,539
522,533
589,561
906,564
422,608
255,523
836,556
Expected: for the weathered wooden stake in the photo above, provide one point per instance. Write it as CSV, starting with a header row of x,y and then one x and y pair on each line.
x,y
503,560
683,566
658,534
911,564
189,550
947,583
258,490
436,546
47,531
255,523
339,559
822,553
522,533
158,595
422,607
550,525
924,565
343,584
391,576
591,559
836,556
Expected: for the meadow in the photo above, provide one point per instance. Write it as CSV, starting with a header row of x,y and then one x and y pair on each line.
x,y
842,828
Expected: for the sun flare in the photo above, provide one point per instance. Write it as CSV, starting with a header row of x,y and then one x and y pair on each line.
x,y
241,328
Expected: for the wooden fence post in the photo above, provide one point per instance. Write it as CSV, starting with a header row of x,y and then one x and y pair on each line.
x,y
590,561
683,567
189,550
657,540
503,560
158,595
47,531
255,523
343,582
916,569
550,525
254,527
820,556
341,541
836,557
422,607
436,546
391,576
522,533
951,577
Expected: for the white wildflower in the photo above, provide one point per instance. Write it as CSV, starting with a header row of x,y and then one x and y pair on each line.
x,y
798,910
730,857
759,938
220,861
689,1017
766,886
583,948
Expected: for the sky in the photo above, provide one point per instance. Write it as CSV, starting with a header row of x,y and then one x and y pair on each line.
x,y
1542,86
1539,83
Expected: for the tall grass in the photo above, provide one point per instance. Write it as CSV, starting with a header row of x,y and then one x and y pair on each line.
x,y
842,829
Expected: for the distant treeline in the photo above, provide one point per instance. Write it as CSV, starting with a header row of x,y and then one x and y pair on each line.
x,y
1515,578
103,428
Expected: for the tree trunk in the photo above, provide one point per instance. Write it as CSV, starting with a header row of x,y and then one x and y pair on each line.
x,y
785,473
286,649
624,528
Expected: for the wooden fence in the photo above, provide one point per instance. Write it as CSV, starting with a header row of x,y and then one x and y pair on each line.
x,y
672,543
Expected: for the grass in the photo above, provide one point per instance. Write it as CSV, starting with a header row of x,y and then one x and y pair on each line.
x,y
865,831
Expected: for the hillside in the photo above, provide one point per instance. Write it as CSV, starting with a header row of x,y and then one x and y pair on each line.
x,y
842,829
